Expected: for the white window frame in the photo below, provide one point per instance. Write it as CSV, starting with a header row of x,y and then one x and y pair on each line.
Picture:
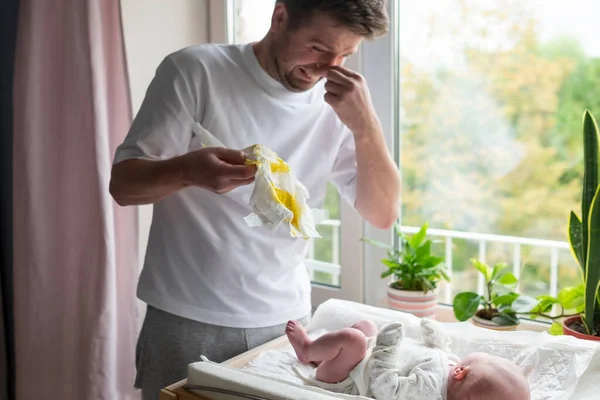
x,y
352,288
380,60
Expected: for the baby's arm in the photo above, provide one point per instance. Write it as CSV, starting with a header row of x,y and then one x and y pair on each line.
x,y
432,335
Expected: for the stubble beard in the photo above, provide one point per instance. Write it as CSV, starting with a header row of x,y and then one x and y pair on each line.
x,y
285,78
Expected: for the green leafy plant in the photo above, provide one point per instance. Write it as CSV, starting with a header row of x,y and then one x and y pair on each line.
x,y
570,302
410,262
584,234
502,305
499,296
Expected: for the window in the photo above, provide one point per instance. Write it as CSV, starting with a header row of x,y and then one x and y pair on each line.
x,y
492,95
252,19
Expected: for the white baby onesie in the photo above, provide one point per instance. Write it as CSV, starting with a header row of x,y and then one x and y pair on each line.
x,y
397,367
405,369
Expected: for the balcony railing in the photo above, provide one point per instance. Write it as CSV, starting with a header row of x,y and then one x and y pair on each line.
x,y
482,239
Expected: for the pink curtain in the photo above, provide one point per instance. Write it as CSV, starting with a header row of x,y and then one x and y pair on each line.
x,y
75,260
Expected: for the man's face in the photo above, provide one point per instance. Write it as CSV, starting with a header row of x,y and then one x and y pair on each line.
x,y
303,56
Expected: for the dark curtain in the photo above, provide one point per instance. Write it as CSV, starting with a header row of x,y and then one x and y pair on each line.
x,y
9,10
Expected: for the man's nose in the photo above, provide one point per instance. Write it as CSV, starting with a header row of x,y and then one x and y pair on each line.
x,y
322,68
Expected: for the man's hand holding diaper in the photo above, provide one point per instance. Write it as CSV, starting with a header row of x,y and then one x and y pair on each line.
x,y
218,169
278,197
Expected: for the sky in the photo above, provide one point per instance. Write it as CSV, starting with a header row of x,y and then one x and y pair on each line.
x,y
579,20
555,18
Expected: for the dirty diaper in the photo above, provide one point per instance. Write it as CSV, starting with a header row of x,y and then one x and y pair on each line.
x,y
278,196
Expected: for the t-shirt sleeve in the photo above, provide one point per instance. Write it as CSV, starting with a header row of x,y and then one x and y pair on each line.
x,y
343,174
162,129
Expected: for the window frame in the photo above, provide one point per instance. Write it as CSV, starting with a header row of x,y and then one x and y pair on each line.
x,y
384,87
220,26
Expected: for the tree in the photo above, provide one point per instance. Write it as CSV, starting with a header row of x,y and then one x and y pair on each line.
x,y
492,142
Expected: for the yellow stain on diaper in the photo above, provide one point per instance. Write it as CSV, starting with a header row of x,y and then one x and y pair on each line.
x,y
281,196
249,163
280,166
288,201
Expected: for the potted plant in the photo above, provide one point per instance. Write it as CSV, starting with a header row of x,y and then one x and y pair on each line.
x,y
584,238
501,307
494,309
415,273
570,301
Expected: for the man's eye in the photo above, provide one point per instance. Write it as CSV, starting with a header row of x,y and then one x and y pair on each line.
x,y
320,50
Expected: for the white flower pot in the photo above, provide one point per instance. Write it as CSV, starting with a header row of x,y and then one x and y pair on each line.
x,y
484,323
423,305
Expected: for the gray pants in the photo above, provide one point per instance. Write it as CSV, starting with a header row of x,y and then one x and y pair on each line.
x,y
169,343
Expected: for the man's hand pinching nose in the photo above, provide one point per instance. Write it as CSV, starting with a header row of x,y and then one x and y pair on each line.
x,y
348,94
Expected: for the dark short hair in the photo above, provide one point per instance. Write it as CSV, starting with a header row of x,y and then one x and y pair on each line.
x,y
367,18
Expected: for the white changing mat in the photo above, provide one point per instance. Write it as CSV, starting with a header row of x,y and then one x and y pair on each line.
x,y
557,367
219,382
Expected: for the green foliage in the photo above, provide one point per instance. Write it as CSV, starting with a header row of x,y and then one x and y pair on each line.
x,y
572,298
506,317
466,305
324,245
575,239
500,296
411,264
503,305
556,329
584,234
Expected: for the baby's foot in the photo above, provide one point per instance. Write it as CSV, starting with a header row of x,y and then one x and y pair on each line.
x,y
390,334
299,340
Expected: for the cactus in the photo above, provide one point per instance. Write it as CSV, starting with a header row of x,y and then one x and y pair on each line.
x,y
584,234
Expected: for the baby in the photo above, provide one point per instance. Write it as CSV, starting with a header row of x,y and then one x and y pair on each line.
x,y
385,365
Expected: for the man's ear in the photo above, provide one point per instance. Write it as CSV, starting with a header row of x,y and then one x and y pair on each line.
x,y
461,372
279,18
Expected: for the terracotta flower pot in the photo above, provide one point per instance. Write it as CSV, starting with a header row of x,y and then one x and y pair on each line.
x,y
570,332
423,305
484,323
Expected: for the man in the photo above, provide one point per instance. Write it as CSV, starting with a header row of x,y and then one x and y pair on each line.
x,y
214,286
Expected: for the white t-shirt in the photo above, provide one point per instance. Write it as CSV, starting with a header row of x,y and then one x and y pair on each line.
x,y
202,261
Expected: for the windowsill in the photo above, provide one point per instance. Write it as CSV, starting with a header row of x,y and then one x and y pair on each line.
x,y
444,313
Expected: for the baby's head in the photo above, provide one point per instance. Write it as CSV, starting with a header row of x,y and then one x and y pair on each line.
x,y
483,376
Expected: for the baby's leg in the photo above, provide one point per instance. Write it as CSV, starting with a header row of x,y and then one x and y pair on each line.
x,y
349,347
368,327
338,352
